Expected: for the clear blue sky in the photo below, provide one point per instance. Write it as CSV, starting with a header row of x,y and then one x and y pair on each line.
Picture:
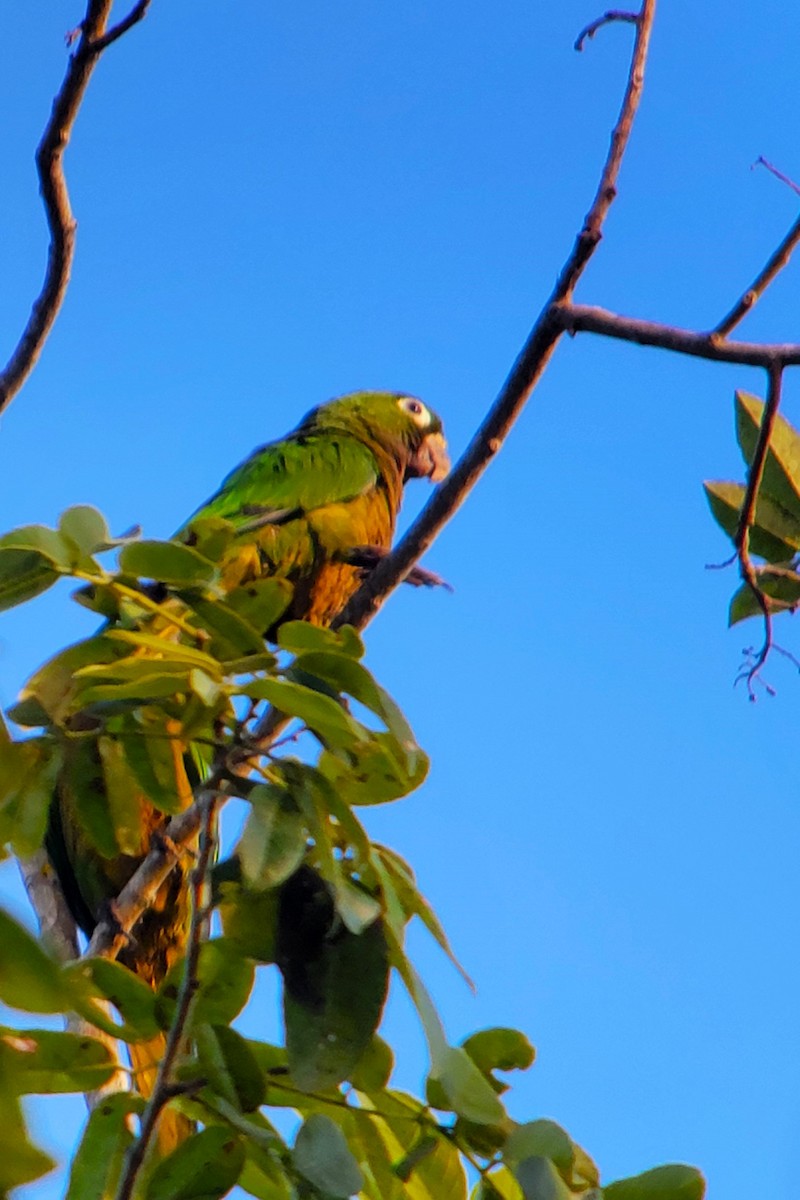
x,y
279,203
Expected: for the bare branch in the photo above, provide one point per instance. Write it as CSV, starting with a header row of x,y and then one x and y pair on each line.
x,y
53,187
613,14
763,162
582,318
773,267
164,1088
140,891
525,373
56,925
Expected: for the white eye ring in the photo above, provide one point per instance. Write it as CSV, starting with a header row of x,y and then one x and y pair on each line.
x,y
416,410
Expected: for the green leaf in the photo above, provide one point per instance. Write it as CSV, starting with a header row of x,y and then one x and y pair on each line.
x,y
540,1180
82,785
203,1168
376,773
374,1068
301,636
783,590
23,575
543,1139
499,1049
262,601
775,534
672,1182
167,650
49,1061
28,772
781,480
168,562
133,999
87,528
468,1092
29,979
273,842
393,1135
98,1162
20,1161
53,685
250,920
499,1184
323,1157
232,634
225,979
346,675
46,543
335,983
157,762
228,1063
327,719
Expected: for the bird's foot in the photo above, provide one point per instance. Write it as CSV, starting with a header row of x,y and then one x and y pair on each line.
x,y
366,558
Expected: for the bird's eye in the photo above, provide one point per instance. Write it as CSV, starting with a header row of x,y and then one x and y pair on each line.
x,y
416,409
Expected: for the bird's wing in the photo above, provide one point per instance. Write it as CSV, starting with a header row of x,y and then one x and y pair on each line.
x,y
288,478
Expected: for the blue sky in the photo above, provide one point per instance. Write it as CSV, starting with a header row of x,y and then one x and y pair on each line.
x,y
277,204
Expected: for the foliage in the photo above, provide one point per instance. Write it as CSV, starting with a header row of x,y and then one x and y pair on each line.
x,y
775,532
179,677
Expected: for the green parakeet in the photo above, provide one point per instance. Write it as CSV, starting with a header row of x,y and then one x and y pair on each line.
x,y
314,510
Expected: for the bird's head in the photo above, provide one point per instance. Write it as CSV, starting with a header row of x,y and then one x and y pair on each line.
x,y
402,425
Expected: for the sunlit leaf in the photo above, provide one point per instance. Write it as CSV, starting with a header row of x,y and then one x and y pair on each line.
x,y
300,637
168,562
781,479
29,979
672,1182
775,534
47,1060
203,1168
98,1162
87,528
783,590
322,1155
273,841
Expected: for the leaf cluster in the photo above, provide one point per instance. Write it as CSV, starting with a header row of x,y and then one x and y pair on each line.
x,y
131,723
774,536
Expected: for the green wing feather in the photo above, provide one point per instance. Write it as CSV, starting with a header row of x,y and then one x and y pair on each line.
x,y
296,475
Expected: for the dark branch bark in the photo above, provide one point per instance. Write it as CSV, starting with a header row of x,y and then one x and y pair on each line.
x,y
55,195
614,14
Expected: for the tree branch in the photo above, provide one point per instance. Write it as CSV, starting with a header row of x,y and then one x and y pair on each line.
x,y
614,14
773,267
582,318
55,195
525,372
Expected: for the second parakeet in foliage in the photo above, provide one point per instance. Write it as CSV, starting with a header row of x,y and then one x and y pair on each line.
x,y
312,510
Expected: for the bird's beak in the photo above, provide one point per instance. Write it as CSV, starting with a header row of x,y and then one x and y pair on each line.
x,y
430,460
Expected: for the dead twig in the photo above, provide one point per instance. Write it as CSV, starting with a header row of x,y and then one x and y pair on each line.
x,y
93,38
613,14
763,162
774,265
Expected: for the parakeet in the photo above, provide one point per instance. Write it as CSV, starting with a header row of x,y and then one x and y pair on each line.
x,y
314,510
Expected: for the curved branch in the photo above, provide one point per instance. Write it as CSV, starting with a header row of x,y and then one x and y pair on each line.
x,y
613,14
525,372
55,196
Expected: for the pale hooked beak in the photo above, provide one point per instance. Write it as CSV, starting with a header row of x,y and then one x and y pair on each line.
x,y
431,460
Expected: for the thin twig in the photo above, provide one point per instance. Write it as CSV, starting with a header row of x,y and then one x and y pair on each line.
x,y
613,14
773,267
55,195
583,318
755,476
763,162
164,1088
524,374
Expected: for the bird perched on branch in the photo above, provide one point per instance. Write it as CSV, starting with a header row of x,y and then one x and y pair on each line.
x,y
313,510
